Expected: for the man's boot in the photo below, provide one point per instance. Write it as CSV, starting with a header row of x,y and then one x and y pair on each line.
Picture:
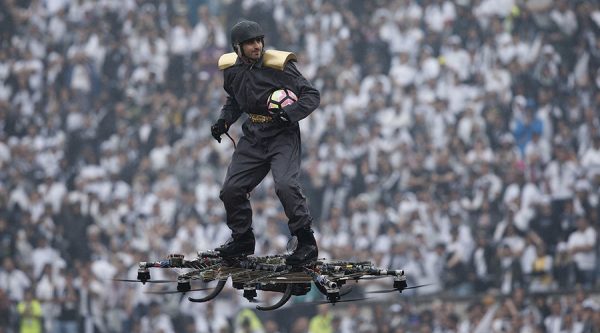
x,y
306,251
238,246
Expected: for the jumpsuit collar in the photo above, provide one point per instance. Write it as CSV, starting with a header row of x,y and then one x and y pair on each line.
x,y
257,64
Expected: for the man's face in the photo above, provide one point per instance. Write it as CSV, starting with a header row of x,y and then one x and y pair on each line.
x,y
581,223
252,48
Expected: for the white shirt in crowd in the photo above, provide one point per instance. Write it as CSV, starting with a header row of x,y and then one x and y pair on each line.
x,y
14,283
584,260
561,179
590,161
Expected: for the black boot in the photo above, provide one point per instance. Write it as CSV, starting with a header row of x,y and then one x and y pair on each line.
x,y
306,251
238,246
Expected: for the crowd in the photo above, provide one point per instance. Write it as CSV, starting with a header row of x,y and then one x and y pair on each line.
x,y
458,140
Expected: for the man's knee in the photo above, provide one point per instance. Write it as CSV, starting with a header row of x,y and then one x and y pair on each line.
x,y
285,189
232,193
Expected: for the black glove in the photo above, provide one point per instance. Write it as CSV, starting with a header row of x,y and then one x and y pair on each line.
x,y
218,129
279,115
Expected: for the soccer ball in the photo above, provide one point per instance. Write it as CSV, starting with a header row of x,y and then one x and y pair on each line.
x,y
280,98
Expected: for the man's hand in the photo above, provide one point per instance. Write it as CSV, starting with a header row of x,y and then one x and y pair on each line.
x,y
279,115
218,129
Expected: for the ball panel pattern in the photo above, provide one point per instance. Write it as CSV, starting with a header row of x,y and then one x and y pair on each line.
x,y
281,98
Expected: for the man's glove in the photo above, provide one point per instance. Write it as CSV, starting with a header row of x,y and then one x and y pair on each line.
x,y
279,115
218,129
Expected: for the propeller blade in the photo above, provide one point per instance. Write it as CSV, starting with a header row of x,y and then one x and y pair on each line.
x,y
149,281
418,286
384,291
396,289
174,291
373,277
347,300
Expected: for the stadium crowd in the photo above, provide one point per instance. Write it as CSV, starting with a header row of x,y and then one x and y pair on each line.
x,y
458,140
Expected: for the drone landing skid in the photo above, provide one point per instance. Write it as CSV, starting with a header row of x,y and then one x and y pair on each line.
x,y
212,295
287,294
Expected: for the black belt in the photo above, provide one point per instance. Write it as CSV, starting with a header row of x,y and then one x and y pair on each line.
x,y
259,118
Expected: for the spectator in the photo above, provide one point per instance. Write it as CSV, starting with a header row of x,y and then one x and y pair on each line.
x,y
525,129
7,313
6,239
248,322
484,263
14,281
322,322
544,225
541,271
510,269
67,299
590,161
300,325
30,314
554,322
455,261
443,176
581,246
271,327
44,292
156,321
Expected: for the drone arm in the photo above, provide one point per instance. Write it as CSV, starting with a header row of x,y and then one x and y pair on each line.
x,y
321,280
382,272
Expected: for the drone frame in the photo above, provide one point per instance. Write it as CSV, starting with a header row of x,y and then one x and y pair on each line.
x,y
270,273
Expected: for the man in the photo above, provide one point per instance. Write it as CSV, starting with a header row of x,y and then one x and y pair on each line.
x,y
581,245
156,320
67,298
13,280
271,139
30,314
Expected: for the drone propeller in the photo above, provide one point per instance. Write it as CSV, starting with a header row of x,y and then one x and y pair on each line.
x,y
372,277
330,302
159,292
396,289
149,281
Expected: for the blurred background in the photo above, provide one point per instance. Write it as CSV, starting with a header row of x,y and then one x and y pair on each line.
x,y
457,140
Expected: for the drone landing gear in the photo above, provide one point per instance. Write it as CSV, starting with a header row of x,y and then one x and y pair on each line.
x,y
212,295
288,290
287,294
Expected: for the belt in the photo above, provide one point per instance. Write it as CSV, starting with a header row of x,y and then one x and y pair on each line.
x,y
259,118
